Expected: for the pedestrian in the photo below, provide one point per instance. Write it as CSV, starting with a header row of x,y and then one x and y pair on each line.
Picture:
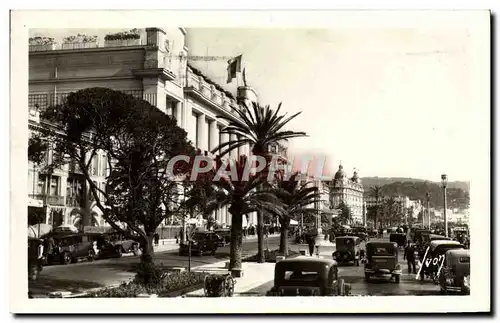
x,y
311,243
157,239
409,256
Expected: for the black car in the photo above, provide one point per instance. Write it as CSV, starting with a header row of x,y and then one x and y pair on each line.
x,y
201,242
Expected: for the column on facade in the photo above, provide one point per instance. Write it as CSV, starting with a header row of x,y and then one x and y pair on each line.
x,y
154,93
214,134
234,152
178,113
225,138
202,132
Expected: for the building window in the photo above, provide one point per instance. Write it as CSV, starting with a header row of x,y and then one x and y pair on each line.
x,y
104,165
95,165
54,186
41,184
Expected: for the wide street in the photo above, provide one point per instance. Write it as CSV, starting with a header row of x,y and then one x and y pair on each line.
x,y
87,275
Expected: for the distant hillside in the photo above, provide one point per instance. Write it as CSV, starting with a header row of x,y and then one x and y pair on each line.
x,y
381,181
415,189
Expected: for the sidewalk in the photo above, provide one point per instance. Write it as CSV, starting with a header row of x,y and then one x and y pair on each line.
x,y
254,275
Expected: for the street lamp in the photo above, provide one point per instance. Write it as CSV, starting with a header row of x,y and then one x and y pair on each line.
x,y
444,182
428,199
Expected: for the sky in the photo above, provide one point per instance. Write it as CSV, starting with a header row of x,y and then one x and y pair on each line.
x,y
395,102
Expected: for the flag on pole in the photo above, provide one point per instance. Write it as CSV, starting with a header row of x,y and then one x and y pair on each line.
x,y
244,76
234,66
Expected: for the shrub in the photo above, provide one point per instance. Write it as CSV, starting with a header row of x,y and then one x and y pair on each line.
x,y
219,285
124,35
148,273
171,283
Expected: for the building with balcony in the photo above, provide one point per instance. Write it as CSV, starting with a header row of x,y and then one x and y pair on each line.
x,y
350,192
155,68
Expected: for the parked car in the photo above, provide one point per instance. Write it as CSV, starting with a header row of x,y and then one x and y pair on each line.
x,y
115,245
307,276
455,274
72,247
382,260
225,236
201,242
360,232
434,257
398,238
347,250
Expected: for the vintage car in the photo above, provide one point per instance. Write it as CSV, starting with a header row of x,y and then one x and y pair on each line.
x,y
201,242
360,232
434,256
382,260
417,234
347,250
71,247
399,238
455,274
224,235
307,276
115,245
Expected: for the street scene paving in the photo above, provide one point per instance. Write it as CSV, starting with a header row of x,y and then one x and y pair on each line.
x,y
83,276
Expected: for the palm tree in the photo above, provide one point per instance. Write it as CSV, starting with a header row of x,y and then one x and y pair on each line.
x,y
296,198
243,198
376,192
259,127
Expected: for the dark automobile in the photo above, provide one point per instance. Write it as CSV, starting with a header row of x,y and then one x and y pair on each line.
x,y
201,242
360,232
71,247
307,276
382,260
347,250
455,274
224,235
434,257
115,245
399,238
417,235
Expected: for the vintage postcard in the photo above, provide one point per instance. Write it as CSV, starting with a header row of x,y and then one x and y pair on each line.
x,y
288,162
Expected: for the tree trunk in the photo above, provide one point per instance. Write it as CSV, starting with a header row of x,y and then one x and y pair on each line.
x,y
284,239
236,241
260,237
147,248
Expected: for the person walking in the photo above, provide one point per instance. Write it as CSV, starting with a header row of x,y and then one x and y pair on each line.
x,y
157,239
409,255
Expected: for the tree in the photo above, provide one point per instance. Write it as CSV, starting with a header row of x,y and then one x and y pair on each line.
x,y
138,140
242,197
259,127
296,198
376,192
345,216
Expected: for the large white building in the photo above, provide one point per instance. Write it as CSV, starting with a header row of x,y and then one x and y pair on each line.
x,y
349,191
153,65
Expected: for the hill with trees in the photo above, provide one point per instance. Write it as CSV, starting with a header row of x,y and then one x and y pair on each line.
x,y
381,181
457,196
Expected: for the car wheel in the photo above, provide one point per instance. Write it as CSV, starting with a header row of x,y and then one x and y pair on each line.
x,y
66,258
367,277
396,279
91,255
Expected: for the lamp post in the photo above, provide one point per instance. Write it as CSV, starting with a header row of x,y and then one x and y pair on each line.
x,y
444,182
427,199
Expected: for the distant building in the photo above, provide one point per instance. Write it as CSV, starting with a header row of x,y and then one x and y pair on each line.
x,y
349,191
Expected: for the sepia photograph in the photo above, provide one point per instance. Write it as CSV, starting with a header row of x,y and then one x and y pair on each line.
x,y
338,160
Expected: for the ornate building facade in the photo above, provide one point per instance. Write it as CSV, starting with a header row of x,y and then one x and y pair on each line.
x,y
349,191
153,67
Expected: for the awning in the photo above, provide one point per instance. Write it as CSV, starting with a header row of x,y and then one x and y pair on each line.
x,y
39,230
